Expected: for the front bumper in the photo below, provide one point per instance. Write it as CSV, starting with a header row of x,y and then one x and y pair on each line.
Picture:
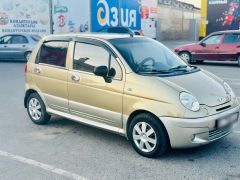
x,y
184,133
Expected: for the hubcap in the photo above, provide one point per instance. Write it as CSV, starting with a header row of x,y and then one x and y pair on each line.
x,y
28,56
144,137
185,57
35,109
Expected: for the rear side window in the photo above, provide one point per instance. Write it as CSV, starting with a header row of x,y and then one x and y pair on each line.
x,y
54,53
19,40
231,38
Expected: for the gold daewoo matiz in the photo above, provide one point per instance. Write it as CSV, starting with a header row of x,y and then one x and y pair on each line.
x,y
130,85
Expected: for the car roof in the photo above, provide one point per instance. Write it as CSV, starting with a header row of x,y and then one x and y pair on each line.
x,y
19,34
104,36
226,32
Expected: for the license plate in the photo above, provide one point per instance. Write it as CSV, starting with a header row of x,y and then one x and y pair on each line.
x,y
226,121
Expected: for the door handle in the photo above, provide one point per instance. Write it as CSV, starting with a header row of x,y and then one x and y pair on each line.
x,y
75,78
217,47
5,46
238,46
37,70
23,45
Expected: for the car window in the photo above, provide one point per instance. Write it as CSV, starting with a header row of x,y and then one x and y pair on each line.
x,y
231,38
18,40
54,53
215,39
5,40
85,60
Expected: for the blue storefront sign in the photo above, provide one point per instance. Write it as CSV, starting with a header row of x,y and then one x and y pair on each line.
x,y
113,13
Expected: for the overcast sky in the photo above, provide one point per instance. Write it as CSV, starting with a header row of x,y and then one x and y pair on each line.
x,y
196,3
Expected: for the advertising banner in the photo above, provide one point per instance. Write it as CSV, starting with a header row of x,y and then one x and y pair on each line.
x,y
223,15
70,16
113,13
149,17
30,17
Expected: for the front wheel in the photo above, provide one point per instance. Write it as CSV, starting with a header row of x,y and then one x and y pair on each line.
x,y
186,57
37,110
148,136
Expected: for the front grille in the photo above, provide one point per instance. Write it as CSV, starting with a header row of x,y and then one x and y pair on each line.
x,y
218,133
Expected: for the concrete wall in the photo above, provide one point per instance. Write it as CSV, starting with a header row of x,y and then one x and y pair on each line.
x,y
175,23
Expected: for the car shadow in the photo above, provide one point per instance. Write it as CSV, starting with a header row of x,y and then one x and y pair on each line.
x,y
210,151
220,64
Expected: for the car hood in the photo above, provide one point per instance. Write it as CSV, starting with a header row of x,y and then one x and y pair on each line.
x,y
207,88
186,46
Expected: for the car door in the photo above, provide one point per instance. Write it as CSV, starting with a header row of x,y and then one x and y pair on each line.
x,y
208,49
230,47
50,74
90,96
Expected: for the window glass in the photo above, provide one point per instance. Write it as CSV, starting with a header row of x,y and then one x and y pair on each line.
x,y
5,40
231,38
116,66
215,39
88,56
54,53
18,40
146,55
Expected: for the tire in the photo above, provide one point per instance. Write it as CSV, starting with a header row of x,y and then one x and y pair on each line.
x,y
37,110
27,55
151,142
238,59
186,56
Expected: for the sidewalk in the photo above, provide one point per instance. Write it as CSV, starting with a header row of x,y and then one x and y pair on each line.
x,y
175,43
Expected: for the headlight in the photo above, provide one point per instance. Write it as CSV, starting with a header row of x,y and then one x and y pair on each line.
x,y
189,101
228,89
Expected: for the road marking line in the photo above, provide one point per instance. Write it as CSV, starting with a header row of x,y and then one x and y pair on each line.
x,y
46,167
230,79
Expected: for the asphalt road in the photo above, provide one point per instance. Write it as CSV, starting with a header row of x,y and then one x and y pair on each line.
x,y
68,150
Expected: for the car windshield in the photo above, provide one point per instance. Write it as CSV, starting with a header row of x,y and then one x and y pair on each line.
x,y
147,56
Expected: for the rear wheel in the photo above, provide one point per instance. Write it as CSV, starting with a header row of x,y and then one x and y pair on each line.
x,y
27,55
148,136
186,56
238,59
37,110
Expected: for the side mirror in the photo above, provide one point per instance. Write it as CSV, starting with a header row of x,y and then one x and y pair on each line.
x,y
101,71
112,72
202,44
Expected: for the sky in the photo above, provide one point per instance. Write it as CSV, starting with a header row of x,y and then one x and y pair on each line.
x,y
196,3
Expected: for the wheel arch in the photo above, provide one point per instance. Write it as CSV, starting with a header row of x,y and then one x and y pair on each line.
x,y
141,111
27,94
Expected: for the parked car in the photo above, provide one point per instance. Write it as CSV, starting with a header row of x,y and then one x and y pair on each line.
x,y
120,30
17,46
218,46
133,86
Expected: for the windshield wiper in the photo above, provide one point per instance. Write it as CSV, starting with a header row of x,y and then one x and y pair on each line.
x,y
178,68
